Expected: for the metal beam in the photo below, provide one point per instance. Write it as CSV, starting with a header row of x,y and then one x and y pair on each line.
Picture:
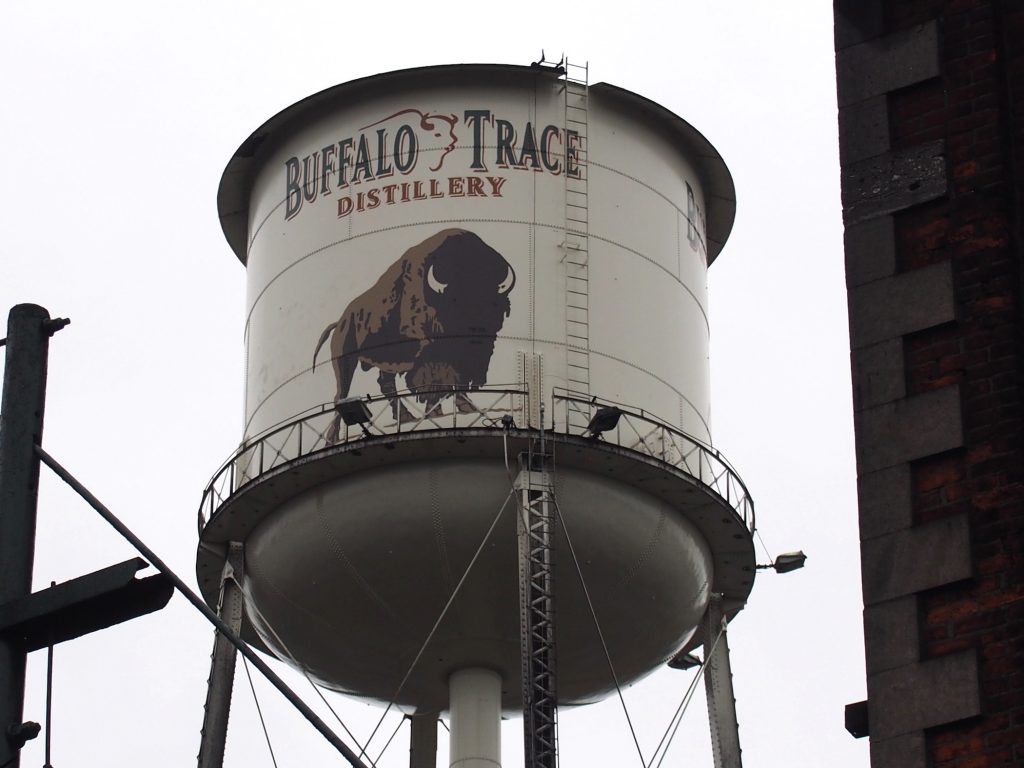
x,y
725,733
82,605
21,428
203,608
213,737
536,531
423,740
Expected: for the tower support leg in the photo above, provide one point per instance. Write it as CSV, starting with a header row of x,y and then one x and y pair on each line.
x,y
475,705
725,733
222,664
423,740
536,531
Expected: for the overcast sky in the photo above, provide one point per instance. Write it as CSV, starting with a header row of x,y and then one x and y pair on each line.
x,y
117,122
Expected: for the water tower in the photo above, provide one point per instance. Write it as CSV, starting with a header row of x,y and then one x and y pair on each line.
x,y
477,474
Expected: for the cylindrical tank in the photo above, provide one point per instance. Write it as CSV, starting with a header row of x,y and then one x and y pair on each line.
x,y
443,264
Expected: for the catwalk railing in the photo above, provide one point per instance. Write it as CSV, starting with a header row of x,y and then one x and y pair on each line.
x,y
492,408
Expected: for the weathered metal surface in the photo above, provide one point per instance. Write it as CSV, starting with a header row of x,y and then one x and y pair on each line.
x,y
82,605
21,427
213,736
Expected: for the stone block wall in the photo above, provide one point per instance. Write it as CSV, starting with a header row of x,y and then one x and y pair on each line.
x,y
931,128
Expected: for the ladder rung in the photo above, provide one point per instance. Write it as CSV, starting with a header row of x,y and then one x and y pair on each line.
x,y
577,218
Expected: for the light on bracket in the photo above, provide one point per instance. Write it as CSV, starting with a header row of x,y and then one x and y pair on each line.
x,y
786,562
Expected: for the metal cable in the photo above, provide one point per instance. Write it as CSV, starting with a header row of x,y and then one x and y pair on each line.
x,y
198,603
259,711
440,618
600,634
388,744
683,705
251,605
362,747
49,695
764,546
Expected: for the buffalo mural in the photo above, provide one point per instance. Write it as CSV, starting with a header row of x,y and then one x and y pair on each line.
x,y
433,316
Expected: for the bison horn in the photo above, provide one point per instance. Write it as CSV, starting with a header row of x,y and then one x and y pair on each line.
x,y
506,285
435,286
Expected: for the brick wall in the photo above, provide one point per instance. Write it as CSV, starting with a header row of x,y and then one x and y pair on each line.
x,y
931,96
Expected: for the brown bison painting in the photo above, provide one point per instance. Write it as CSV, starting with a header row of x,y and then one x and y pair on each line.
x,y
433,316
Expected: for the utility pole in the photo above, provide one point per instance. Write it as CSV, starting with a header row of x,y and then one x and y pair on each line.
x,y
29,328
32,621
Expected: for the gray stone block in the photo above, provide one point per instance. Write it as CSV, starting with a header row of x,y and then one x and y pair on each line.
x,y
870,251
919,558
857,21
884,501
892,636
886,63
906,751
879,374
908,429
910,301
934,692
864,130
893,181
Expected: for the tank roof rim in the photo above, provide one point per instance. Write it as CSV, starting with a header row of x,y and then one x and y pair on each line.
x,y
235,181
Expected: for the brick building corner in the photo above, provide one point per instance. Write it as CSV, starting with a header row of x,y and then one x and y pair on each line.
x,y
931,131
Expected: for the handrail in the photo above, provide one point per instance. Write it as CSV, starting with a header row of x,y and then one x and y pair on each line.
x,y
311,432
319,428
639,431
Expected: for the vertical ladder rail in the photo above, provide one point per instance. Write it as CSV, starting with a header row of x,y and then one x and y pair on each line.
x,y
535,527
576,254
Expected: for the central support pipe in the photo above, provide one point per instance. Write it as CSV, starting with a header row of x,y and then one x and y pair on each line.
x,y
474,700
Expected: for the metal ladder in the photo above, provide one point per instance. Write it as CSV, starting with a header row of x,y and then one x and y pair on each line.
x,y
535,528
575,244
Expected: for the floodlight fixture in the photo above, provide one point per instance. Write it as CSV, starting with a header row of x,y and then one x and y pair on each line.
x,y
786,562
684,661
353,411
605,419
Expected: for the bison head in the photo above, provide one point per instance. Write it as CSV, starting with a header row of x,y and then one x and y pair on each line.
x,y
468,284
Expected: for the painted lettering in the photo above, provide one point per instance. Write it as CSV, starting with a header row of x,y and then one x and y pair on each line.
x,y
383,169
496,182
293,192
505,147
362,168
475,120
405,142
550,161
327,168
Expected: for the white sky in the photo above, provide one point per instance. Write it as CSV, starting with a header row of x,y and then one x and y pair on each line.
x,y
117,122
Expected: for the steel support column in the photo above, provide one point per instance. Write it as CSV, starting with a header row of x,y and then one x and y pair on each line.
x,y
423,740
221,682
21,427
536,530
725,734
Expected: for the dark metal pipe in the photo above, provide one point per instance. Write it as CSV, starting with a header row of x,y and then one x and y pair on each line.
x,y
24,395
203,608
